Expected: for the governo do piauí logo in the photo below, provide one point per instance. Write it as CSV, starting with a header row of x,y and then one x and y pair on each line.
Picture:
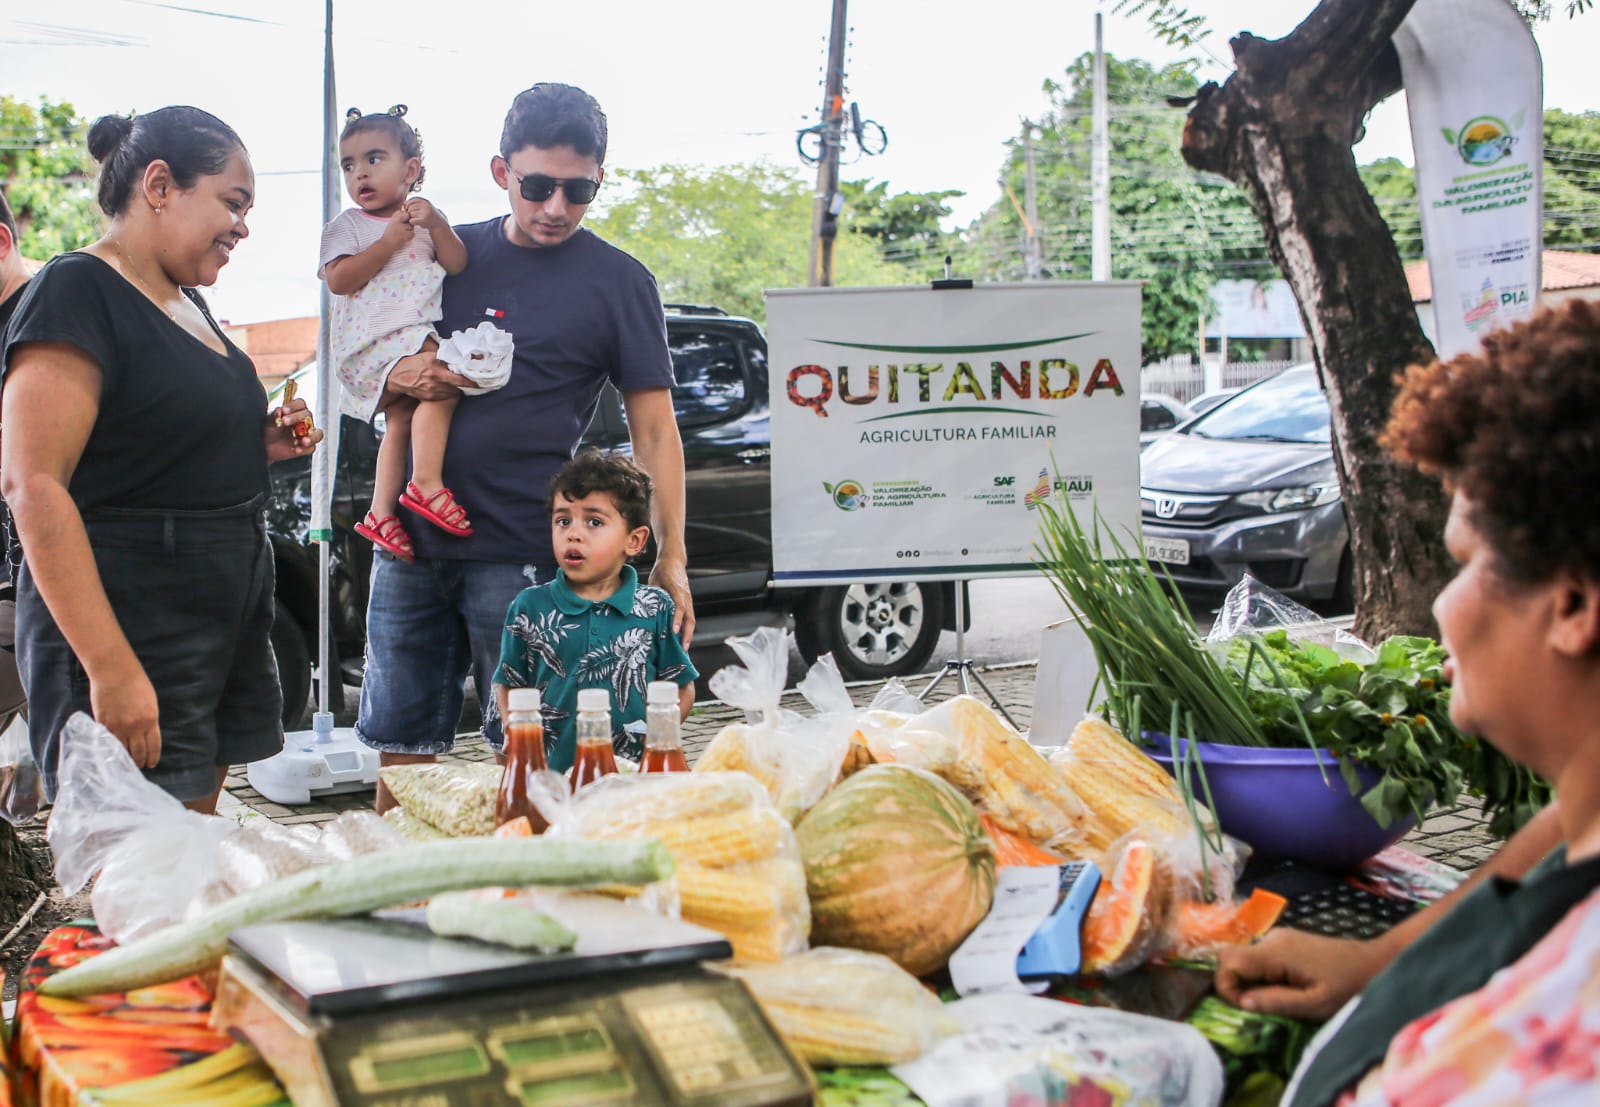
x,y
1485,139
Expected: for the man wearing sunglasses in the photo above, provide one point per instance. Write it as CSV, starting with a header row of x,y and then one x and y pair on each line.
x,y
582,313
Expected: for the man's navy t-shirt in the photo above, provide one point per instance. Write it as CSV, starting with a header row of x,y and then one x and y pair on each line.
x,y
581,313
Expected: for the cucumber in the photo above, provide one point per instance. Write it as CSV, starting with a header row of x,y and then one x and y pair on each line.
x,y
503,922
364,884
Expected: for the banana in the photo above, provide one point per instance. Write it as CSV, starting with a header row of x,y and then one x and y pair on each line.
x,y
178,1080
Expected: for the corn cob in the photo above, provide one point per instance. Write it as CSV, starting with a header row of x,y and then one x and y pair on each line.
x,y
730,752
829,1036
759,943
721,840
1094,742
713,897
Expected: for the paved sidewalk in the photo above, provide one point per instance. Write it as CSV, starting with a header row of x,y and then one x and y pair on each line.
x,y
1456,836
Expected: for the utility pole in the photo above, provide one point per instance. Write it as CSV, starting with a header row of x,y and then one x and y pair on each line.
x,y
1032,253
1100,168
825,221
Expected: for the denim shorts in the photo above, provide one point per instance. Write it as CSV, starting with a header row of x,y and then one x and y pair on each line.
x,y
193,594
430,623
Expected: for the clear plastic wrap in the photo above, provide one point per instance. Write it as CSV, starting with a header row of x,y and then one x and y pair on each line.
x,y
845,1006
794,757
357,833
154,856
739,870
1020,1049
263,852
966,742
457,799
1251,607
21,786
411,828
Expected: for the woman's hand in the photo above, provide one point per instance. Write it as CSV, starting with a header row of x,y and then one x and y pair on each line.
x,y
124,702
290,431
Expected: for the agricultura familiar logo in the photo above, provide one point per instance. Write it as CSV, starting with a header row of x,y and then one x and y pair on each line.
x,y
848,495
1484,140
1039,492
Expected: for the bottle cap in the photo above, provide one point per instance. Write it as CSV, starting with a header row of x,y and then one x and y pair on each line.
x,y
594,699
522,699
661,691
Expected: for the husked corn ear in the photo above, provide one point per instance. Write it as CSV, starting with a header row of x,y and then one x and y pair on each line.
x,y
757,943
1095,742
829,1036
722,896
638,812
729,752
721,839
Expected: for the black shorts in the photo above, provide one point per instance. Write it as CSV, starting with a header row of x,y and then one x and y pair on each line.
x,y
193,593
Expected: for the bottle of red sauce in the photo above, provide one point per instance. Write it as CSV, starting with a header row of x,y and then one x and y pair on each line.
x,y
663,747
594,759
524,731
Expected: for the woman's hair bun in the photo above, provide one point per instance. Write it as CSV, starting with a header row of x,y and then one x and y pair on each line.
x,y
107,134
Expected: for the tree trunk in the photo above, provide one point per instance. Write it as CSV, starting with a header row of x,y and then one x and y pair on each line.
x,y
22,877
1282,127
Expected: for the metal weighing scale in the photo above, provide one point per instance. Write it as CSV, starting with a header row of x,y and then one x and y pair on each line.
x,y
381,1013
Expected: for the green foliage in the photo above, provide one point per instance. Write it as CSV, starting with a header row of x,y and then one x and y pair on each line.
x,y
723,235
1172,23
1392,715
45,170
1174,229
905,225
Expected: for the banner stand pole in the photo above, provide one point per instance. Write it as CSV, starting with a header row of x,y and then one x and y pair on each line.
x,y
961,666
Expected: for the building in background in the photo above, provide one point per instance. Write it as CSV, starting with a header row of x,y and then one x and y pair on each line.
x,y
1566,276
277,347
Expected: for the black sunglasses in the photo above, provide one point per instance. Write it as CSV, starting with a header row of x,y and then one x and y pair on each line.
x,y
537,188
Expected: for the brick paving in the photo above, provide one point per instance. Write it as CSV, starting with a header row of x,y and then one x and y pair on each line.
x,y
1456,836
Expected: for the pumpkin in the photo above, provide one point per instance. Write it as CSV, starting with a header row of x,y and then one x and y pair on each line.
x,y
896,863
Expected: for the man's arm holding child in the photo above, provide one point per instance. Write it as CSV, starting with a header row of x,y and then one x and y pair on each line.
x,y
653,429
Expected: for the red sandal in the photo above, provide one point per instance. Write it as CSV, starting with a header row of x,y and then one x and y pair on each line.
x,y
388,534
440,509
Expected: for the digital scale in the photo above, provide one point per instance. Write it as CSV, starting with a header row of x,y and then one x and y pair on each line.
x,y
381,1013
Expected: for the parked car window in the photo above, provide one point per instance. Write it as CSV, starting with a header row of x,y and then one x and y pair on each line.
x,y
1287,408
1155,417
710,381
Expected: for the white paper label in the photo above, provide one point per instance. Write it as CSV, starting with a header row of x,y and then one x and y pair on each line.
x,y
1024,896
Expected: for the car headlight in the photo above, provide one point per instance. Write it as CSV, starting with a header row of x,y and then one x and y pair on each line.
x,y
1291,499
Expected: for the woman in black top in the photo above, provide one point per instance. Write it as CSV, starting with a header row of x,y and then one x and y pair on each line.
x,y
135,464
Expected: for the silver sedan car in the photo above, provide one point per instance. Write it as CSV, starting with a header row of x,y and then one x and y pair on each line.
x,y
1250,486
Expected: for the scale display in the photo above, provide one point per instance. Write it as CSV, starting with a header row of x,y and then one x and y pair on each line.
x,y
669,1034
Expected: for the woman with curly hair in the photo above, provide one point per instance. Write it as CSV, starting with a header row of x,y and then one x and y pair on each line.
x,y
1499,1001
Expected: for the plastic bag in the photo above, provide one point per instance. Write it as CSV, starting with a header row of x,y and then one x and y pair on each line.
x,y
1250,607
794,757
458,800
738,865
263,852
154,855
356,833
1043,1052
967,743
21,786
846,1006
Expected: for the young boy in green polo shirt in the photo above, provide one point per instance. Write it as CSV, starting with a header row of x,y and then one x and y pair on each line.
x,y
595,625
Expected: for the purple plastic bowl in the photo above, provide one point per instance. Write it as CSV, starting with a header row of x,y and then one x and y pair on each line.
x,y
1277,801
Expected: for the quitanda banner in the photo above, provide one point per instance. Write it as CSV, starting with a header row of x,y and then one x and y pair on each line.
x,y
1474,88
916,432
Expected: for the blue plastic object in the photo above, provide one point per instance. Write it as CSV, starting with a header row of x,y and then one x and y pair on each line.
x,y
1278,802
1056,948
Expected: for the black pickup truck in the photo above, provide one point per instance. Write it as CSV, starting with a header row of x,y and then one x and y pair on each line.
x,y
720,363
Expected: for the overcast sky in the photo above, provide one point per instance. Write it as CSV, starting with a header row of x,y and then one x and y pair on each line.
x,y
702,82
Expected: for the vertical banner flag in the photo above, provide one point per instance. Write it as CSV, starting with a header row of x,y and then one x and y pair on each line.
x,y
1474,87
917,432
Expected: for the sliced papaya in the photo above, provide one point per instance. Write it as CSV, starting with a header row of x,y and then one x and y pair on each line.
x,y
1013,849
1127,914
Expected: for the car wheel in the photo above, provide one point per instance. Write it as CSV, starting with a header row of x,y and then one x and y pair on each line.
x,y
294,667
874,631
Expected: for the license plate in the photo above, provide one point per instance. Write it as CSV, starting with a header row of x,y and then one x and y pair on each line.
x,y
1173,551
